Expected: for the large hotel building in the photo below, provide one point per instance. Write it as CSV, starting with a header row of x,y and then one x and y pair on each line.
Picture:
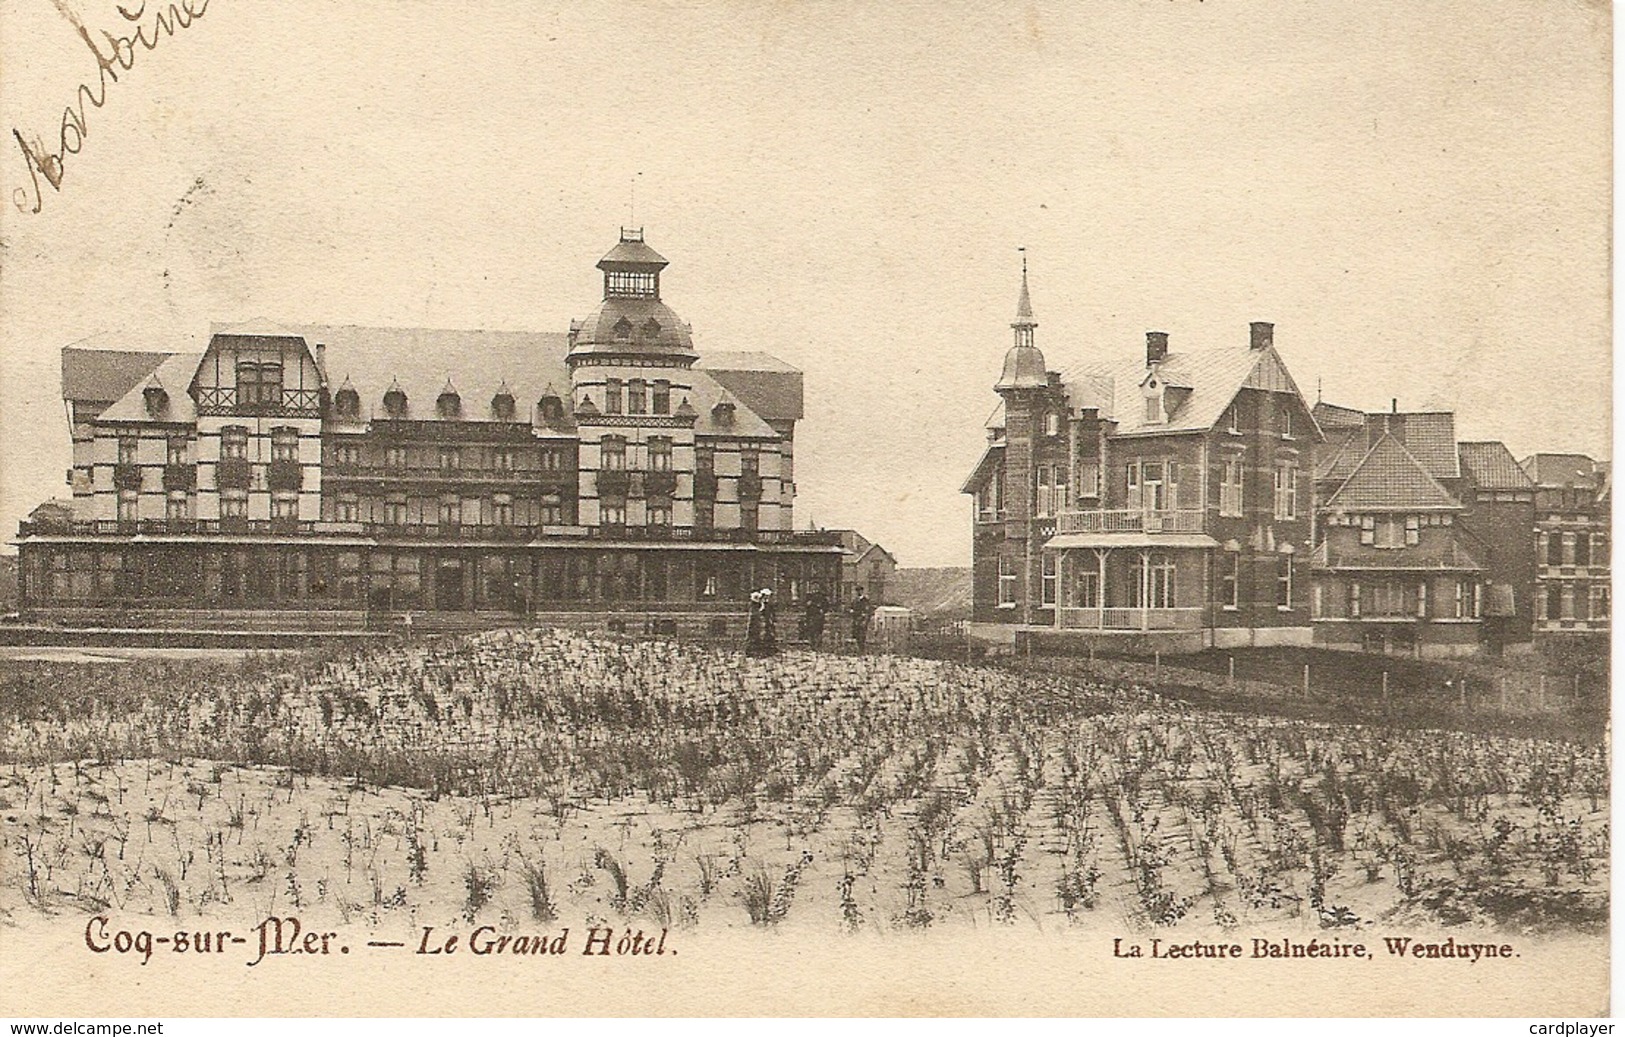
x,y
297,478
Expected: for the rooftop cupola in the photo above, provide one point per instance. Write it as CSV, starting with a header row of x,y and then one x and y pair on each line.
x,y
632,268
631,319
1023,365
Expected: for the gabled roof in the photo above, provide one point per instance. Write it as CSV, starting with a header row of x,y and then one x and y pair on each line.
x,y
1390,478
1560,469
1430,436
104,375
989,457
1214,377
871,549
1493,467
1344,449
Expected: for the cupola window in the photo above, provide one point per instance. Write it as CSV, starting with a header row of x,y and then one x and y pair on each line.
x,y
631,284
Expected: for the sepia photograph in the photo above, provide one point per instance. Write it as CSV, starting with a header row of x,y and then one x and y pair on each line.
x,y
834,509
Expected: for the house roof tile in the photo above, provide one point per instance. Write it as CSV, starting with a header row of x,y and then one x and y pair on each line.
x,y
1390,478
1493,467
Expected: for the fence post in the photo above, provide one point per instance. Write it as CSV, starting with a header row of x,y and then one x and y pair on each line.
x,y
1503,694
1306,680
1464,693
1385,691
1156,665
1543,693
1232,669
1091,653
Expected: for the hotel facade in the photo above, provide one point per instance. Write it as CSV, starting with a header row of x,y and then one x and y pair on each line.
x,y
298,478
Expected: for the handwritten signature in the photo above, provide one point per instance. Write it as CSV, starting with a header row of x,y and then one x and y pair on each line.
x,y
120,55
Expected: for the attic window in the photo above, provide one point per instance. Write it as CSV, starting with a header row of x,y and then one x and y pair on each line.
x,y
651,328
448,404
723,413
1153,409
348,403
395,403
1286,422
502,406
552,407
623,328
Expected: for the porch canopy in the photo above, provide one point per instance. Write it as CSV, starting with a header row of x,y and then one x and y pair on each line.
x,y
1148,541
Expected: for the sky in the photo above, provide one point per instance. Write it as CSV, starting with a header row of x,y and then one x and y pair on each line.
x,y
1418,196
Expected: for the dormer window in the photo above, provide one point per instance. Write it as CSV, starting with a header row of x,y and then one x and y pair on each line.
x,y
347,402
552,407
1153,390
395,402
623,329
660,396
651,328
448,404
723,413
502,406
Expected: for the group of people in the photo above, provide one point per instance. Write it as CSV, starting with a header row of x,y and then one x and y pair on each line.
x,y
761,632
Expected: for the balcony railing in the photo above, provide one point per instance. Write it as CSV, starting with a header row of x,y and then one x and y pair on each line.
x,y
418,531
1131,619
1131,521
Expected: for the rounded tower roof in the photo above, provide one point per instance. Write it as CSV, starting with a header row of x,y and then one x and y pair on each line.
x,y
1024,368
632,319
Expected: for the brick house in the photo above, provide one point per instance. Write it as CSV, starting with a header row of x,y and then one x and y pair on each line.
x,y
1162,502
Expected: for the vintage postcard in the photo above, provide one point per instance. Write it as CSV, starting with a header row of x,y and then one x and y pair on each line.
x,y
719,508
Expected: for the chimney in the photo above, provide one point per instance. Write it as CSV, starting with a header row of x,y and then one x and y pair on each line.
x,y
1263,334
1394,404
321,358
1156,347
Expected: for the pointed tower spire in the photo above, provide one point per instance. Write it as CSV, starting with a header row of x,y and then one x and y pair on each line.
x,y
1024,323
1024,364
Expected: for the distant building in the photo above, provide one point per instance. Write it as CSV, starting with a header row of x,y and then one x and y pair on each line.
x,y
1499,509
289,477
865,565
1397,568
1573,515
1160,502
